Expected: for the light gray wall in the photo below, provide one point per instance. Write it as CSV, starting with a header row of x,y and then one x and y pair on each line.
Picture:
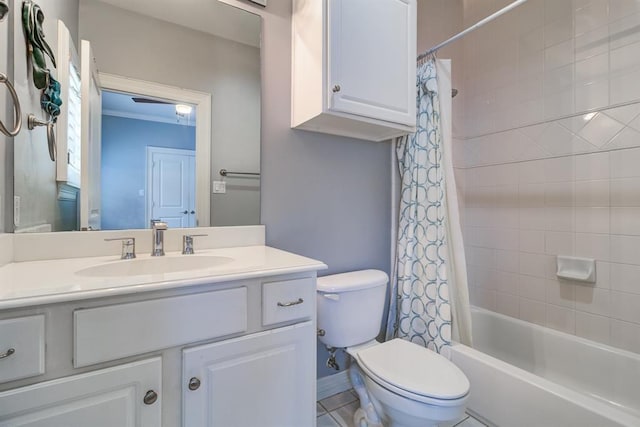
x,y
323,196
132,45
35,180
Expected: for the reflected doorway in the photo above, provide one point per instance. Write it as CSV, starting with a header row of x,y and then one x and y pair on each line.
x,y
148,161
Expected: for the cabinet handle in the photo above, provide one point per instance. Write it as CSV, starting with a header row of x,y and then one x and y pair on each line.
x,y
289,304
7,353
150,397
336,88
194,384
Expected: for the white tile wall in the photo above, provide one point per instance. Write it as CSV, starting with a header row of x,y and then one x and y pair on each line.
x,y
549,168
582,205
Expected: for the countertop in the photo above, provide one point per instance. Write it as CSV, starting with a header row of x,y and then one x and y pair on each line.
x,y
31,283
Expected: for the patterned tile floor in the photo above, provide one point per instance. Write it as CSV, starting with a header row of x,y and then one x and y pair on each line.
x,y
338,410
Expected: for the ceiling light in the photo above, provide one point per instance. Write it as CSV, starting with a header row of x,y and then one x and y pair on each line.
x,y
183,109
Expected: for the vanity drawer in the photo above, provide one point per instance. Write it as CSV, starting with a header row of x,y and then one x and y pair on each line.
x,y
116,331
288,300
21,347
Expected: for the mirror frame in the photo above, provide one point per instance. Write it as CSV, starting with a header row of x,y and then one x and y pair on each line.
x,y
202,102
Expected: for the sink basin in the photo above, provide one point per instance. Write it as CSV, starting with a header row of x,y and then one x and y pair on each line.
x,y
156,265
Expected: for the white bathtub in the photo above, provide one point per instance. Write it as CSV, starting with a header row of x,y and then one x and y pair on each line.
x,y
527,375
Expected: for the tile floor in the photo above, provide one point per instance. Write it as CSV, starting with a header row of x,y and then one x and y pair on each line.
x,y
338,410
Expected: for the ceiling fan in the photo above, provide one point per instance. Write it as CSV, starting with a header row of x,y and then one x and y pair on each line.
x,y
141,100
182,110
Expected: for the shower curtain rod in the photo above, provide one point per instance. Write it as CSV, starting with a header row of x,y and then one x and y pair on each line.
x,y
471,28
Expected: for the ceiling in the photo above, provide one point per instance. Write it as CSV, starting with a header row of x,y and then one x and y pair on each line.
x,y
121,105
208,16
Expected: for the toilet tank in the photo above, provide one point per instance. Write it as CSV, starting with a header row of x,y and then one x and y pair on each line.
x,y
350,307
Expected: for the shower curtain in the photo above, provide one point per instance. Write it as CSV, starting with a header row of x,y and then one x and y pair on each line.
x,y
429,302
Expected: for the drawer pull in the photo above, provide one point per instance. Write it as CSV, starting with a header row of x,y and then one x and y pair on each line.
x,y
150,397
7,353
194,384
289,304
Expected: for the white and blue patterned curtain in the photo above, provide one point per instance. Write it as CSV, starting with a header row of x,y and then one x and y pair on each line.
x,y
422,312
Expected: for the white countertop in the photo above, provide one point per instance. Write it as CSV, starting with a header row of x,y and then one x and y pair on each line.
x,y
50,281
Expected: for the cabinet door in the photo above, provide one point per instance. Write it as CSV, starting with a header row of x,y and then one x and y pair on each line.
x,y
265,379
105,398
372,59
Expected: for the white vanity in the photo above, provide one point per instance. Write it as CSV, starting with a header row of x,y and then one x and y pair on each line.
x,y
232,342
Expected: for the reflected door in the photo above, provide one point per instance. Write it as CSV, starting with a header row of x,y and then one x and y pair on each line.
x,y
171,186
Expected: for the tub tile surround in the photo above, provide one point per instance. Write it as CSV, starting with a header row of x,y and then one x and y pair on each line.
x,y
581,205
546,59
548,149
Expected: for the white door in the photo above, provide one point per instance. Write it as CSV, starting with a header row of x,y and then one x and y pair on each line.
x,y
105,398
372,51
171,186
265,379
91,136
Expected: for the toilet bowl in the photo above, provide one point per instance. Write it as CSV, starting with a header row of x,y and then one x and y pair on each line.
x,y
399,383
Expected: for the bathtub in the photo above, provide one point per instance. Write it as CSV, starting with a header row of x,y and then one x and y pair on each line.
x,y
522,374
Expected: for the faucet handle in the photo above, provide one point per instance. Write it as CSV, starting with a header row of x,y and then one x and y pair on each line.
x,y
187,243
158,224
128,246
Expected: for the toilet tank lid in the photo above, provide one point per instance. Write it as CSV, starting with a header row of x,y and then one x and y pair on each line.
x,y
352,281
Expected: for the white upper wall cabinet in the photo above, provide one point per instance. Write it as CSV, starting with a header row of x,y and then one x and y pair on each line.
x,y
354,67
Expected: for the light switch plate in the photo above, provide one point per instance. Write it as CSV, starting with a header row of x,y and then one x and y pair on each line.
x,y
219,187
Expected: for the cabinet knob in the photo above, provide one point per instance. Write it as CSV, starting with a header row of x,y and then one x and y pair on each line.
x,y
185,212
150,397
336,88
7,353
194,384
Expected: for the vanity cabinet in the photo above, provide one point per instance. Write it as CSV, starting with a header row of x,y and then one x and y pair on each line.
x,y
265,379
125,396
235,353
354,67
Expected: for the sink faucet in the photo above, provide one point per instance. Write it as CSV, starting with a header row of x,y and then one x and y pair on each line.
x,y
157,245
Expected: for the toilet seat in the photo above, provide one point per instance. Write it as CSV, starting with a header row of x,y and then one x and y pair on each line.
x,y
414,372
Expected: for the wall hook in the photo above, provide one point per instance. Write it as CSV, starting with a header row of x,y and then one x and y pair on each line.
x,y
33,122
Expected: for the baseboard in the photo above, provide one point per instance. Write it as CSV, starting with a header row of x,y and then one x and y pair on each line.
x,y
333,384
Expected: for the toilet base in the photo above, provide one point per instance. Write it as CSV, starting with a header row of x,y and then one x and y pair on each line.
x,y
381,407
399,411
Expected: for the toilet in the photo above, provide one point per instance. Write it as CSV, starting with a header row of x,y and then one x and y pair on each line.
x,y
400,384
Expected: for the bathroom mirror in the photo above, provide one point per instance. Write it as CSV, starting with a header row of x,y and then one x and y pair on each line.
x,y
202,47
